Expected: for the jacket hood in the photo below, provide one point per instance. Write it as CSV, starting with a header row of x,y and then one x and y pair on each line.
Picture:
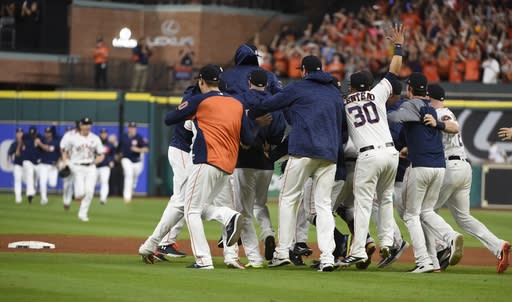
x,y
244,55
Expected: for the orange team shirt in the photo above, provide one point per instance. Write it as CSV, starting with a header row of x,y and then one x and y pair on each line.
x,y
452,52
100,55
293,64
336,70
280,62
456,72
443,66
472,70
430,72
219,119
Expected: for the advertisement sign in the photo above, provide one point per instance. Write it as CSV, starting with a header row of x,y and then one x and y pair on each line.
x,y
7,135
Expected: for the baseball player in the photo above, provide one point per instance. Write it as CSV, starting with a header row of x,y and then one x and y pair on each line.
x,y
105,165
47,167
15,154
377,159
133,145
67,182
505,134
163,238
81,152
31,157
220,126
457,185
254,169
424,177
313,110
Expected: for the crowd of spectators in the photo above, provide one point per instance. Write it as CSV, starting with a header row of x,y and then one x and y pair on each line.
x,y
447,40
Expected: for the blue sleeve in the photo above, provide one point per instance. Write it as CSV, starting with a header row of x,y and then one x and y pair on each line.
x,y
276,102
12,148
246,135
274,86
142,142
184,111
391,77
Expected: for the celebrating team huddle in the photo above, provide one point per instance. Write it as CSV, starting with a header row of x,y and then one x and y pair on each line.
x,y
233,126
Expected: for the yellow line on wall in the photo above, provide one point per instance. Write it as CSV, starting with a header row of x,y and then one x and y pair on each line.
x,y
58,95
479,104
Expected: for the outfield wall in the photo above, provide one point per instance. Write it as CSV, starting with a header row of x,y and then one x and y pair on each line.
x,y
479,120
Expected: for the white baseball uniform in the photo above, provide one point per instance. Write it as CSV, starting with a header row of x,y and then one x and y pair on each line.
x,y
82,154
457,186
376,164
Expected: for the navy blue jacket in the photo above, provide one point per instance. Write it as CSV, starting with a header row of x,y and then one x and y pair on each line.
x,y
399,140
18,160
254,157
31,152
108,151
128,142
314,110
182,138
236,79
51,157
424,143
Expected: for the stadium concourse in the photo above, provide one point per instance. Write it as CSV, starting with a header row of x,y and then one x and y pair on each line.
x,y
126,246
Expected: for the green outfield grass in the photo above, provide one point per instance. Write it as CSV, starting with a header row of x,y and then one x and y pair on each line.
x,y
80,277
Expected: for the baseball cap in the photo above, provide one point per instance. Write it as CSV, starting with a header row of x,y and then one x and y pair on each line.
x,y
396,87
103,130
85,121
19,130
132,124
435,91
417,81
311,63
210,73
360,81
32,130
48,129
258,78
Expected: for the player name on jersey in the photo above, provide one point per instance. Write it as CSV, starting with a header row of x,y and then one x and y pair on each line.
x,y
360,96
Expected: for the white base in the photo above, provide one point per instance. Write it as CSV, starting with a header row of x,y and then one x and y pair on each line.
x,y
31,245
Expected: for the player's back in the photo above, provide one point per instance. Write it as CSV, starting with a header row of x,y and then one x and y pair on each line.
x,y
367,119
452,142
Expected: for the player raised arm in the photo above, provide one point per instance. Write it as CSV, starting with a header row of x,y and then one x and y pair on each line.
x,y
397,37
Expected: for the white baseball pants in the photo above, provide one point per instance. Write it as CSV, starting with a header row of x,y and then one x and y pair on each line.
x,y
131,172
455,194
420,194
103,179
67,189
18,177
203,185
29,173
47,177
84,178
374,175
298,170
261,212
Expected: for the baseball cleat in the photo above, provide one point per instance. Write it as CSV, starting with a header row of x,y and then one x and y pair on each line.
x,y
159,257
370,249
275,262
30,197
270,247
148,259
171,250
233,229
296,259
443,257
326,267
235,264
197,266
67,207
302,249
456,249
348,261
504,258
83,218
394,254
424,268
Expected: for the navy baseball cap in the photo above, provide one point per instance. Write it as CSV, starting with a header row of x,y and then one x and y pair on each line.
x,y
360,81
48,129
311,63
103,130
210,73
32,130
258,78
132,124
85,121
435,91
417,81
19,130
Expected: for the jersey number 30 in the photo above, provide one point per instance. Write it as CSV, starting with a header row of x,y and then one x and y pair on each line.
x,y
366,113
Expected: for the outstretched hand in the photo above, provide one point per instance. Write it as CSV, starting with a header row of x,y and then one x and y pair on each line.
x,y
397,35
